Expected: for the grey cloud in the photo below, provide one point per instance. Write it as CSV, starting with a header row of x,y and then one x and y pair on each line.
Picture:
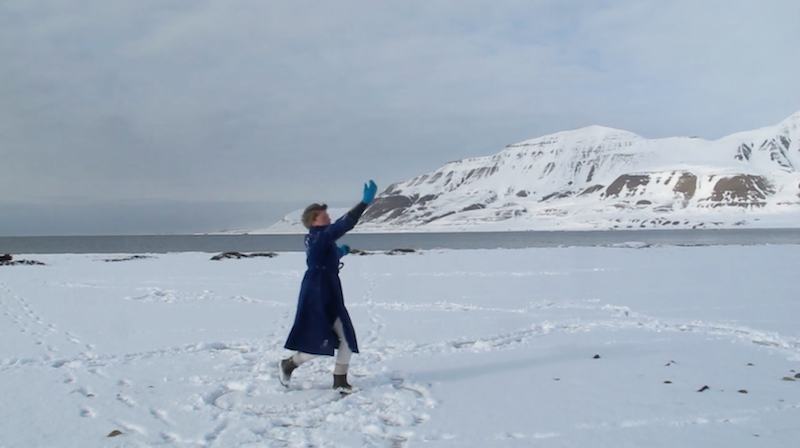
x,y
159,217
250,101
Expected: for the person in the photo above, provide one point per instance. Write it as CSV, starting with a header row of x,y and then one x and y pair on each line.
x,y
322,323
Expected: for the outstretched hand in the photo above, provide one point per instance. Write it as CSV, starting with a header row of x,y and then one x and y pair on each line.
x,y
369,192
344,249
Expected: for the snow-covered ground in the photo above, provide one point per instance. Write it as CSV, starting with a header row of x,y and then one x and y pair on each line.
x,y
474,348
718,218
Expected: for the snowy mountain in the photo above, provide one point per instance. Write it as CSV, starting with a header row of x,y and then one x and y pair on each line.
x,y
603,178
291,223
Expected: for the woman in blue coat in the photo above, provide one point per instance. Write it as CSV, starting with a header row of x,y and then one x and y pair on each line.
x,y
322,322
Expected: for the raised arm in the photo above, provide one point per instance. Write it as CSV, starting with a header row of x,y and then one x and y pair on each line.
x,y
350,219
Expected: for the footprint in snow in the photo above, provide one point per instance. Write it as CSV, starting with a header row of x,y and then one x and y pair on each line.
x,y
83,391
171,438
127,401
98,371
160,415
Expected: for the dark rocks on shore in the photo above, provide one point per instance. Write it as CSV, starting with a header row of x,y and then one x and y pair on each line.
x,y
397,251
400,251
238,255
133,257
8,260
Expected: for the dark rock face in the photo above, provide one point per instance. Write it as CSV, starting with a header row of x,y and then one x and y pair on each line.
x,y
509,213
388,207
591,173
548,169
434,218
394,205
686,186
481,172
777,152
776,148
473,207
743,190
592,189
629,181
744,152
557,195
785,141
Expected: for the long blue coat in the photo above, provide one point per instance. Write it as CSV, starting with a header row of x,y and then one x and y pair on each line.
x,y
321,299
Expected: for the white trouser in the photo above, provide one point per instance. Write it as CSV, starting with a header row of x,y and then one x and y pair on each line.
x,y
342,357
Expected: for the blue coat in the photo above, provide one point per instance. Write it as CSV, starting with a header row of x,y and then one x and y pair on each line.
x,y
321,299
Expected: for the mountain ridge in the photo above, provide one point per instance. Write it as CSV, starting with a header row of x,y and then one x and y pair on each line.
x,y
598,177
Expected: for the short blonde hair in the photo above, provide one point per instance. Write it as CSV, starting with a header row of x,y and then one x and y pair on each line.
x,y
310,214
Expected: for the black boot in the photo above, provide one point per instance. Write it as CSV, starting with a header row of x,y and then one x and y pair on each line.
x,y
285,369
340,383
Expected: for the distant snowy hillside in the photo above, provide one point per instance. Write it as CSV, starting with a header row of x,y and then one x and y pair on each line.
x,y
291,222
603,178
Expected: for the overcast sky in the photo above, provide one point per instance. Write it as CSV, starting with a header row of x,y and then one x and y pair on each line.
x,y
159,116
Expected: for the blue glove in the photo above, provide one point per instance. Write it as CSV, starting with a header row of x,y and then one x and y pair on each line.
x,y
369,192
344,249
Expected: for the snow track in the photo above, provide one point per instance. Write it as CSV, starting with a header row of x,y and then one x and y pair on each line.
x,y
197,369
